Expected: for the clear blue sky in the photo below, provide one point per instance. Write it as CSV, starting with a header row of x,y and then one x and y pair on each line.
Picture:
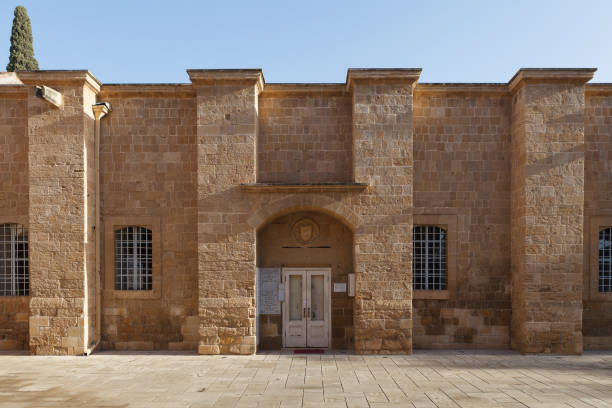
x,y
316,41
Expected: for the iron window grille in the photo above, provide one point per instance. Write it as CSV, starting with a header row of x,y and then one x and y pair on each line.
x,y
133,258
429,258
14,265
605,260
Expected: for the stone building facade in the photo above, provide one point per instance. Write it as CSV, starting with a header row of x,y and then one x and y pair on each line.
x,y
380,215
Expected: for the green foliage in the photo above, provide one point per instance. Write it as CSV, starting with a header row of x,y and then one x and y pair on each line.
x,y
22,50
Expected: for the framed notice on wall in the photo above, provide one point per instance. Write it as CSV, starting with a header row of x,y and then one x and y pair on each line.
x,y
268,281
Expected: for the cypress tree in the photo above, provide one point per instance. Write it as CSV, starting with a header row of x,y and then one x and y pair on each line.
x,y
22,50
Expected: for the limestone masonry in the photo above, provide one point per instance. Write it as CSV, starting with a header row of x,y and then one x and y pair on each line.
x,y
388,214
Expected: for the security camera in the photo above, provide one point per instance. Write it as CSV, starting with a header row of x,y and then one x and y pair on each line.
x,y
50,95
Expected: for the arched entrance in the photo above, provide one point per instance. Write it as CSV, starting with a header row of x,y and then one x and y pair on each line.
x,y
304,260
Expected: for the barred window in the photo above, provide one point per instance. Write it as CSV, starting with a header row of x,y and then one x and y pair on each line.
x,y
605,260
133,258
429,258
14,266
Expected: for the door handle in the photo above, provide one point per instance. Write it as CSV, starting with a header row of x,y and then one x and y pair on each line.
x,y
304,313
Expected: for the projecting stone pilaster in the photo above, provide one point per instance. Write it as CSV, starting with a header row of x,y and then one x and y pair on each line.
x,y
547,209
382,158
227,135
61,211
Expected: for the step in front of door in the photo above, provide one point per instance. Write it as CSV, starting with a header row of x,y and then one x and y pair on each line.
x,y
309,351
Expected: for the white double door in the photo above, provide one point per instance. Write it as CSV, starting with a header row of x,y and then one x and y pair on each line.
x,y
307,307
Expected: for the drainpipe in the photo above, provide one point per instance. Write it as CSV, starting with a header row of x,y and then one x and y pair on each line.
x,y
100,110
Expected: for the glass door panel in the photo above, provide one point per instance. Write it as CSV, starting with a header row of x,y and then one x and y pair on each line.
x,y
317,326
295,297
294,308
317,297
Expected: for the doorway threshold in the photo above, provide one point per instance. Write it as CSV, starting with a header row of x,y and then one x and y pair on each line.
x,y
309,351
284,351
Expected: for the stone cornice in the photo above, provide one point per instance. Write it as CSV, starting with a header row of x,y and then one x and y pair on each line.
x,y
448,88
598,89
543,75
60,77
304,89
410,75
211,76
13,91
9,78
147,90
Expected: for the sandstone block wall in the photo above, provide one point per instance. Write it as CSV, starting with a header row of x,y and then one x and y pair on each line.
x,y
13,151
14,311
597,313
58,211
522,169
304,135
228,216
227,125
547,209
148,169
382,158
462,168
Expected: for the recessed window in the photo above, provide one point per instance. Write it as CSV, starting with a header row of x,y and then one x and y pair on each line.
x,y
429,267
14,266
605,260
133,258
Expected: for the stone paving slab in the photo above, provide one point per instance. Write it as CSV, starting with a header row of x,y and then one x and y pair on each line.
x,y
425,379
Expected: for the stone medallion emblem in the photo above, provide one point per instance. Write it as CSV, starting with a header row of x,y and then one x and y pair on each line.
x,y
305,231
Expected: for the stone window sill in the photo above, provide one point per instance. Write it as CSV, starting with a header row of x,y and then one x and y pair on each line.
x,y
132,294
431,294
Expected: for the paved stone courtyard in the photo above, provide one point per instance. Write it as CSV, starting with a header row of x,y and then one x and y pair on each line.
x,y
425,379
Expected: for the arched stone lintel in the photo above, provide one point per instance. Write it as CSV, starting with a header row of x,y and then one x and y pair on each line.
x,y
302,202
